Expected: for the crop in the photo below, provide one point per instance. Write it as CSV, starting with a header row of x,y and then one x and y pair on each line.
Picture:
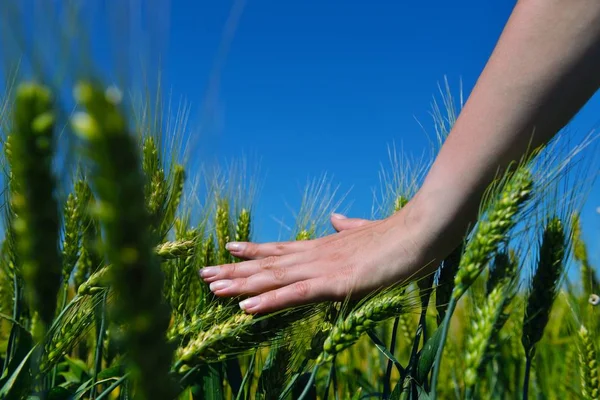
x,y
100,296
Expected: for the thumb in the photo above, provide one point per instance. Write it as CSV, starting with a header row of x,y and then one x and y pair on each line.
x,y
341,222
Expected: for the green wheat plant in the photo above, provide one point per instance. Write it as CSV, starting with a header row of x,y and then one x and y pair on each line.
x,y
107,220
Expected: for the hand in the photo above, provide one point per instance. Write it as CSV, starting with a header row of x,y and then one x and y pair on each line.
x,y
362,257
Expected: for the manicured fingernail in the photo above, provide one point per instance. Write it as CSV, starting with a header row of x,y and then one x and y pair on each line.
x,y
235,246
209,272
218,285
338,216
249,303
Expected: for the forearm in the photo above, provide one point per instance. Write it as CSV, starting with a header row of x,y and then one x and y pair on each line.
x,y
545,66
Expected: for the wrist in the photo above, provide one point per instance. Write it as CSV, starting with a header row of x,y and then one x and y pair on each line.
x,y
437,222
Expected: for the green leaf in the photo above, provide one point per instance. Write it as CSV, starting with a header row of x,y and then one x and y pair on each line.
x,y
428,356
422,394
357,394
70,377
247,377
111,372
306,389
383,349
22,339
87,385
397,391
212,382
186,395
112,387
77,366
293,380
14,385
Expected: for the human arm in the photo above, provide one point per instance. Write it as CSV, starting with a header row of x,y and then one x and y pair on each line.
x,y
545,66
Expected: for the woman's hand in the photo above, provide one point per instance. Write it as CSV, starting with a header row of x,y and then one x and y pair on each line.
x,y
543,69
362,257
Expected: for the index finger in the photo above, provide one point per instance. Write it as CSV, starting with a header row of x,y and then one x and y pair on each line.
x,y
255,251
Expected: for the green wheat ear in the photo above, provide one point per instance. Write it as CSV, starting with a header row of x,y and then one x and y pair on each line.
x,y
183,276
588,363
88,260
36,223
242,228
305,234
489,319
75,210
227,334
445,284
484,243
492,230
136,278
400,202
68,328
223,231
174,199
589,278
156,186
347,331
545,284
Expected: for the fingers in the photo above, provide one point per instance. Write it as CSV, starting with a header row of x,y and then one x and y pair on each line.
x,y
263,281
296,294
254,251
246,268
342,223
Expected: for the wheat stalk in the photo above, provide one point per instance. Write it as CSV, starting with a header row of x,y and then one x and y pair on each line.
x,y
488,235
37,222
484,327
543,289
128,239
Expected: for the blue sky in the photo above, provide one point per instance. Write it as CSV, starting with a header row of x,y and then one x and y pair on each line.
x,y
313,86
319,86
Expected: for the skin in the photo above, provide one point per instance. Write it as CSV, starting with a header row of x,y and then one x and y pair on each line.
x,y
544,68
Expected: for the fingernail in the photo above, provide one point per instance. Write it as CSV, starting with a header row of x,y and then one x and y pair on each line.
x,y
249,303
338,216
209,272
235,246
218,285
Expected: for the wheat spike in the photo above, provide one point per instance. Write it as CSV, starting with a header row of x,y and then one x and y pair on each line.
x,y
492,230
545,284
32,190
588,365
348,330
129,241
176,249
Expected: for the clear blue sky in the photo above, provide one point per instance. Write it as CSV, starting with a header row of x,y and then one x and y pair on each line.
x,y
319,86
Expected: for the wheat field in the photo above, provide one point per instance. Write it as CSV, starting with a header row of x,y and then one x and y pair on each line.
x,y
100,294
